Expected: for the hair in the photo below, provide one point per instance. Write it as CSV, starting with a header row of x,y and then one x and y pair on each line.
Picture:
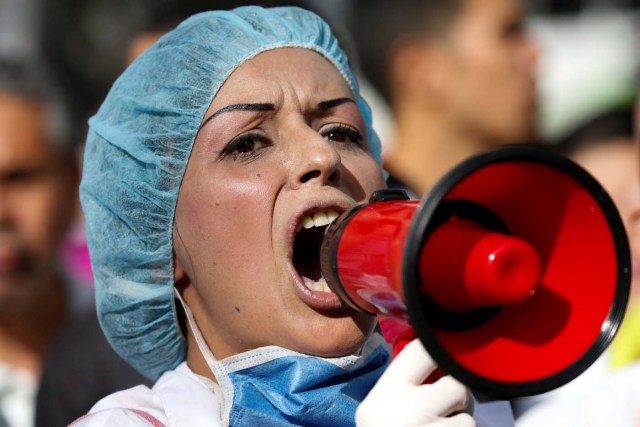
x,y
609,126
32,80
165,16
377,24
637,118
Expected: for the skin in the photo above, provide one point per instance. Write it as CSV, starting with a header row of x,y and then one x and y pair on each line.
x,y
237,208
614,164
37,200
491,66
140,43
465,91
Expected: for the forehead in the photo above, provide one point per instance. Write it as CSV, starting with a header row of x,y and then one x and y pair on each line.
x,y
491,10
608,154
22,129
269,73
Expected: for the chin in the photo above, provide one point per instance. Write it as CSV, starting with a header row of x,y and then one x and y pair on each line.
x,y
340,339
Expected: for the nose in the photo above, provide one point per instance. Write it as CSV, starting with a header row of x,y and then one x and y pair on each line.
x,y
316,160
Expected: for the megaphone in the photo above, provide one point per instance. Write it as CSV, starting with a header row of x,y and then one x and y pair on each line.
x,y
514,271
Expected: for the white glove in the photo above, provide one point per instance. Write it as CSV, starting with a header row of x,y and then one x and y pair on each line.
x,y
400,399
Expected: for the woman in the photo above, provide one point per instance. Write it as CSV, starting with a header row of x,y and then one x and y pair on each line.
x,y
217,157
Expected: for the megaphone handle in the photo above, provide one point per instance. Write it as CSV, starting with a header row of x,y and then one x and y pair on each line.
x,y
399,335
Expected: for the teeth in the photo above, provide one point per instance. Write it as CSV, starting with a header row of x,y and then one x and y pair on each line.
x,y
319,286
318,219
308,222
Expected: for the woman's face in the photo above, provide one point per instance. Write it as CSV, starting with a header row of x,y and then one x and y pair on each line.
x,y
283,142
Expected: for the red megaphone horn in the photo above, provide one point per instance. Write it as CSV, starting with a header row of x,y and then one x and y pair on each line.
x,y
514,271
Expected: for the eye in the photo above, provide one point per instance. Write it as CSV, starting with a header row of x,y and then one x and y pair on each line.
x,y
343,134
246,145
514,29
22,176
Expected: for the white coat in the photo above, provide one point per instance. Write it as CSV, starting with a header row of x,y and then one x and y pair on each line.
x,y
179,398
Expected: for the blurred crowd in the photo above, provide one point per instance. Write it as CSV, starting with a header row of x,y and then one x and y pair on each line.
x,y
462,78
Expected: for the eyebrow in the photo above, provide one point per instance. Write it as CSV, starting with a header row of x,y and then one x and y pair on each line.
x,y
322,106
240,107
327,105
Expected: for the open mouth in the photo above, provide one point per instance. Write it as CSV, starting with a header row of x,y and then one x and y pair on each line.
x,y
306,248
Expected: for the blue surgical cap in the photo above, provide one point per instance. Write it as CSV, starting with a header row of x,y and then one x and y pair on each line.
x,y
136,154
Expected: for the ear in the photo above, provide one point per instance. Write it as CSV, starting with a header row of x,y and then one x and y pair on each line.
x,y
179,273
181,261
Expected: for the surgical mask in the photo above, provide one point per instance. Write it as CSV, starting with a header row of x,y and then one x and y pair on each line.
x,y
277,387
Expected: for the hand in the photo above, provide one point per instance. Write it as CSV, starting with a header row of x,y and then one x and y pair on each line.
x,y
401,399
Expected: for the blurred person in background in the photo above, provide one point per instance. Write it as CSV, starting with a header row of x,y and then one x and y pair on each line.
x,y
163,17
603,395
605,147
54,360
459,77
588,84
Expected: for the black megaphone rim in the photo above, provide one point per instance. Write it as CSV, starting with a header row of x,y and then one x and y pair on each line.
x,y
485,387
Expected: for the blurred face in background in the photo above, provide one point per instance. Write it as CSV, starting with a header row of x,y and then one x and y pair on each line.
x,y
37,198
139,43
615,165
488,82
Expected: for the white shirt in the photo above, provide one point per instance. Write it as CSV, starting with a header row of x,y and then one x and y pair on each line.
x,y
18,390
613,401
179,398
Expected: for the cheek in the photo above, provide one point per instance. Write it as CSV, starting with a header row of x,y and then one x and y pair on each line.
x,y
368,175
43,211
489,63
213,225
471,80
489,79
627,199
